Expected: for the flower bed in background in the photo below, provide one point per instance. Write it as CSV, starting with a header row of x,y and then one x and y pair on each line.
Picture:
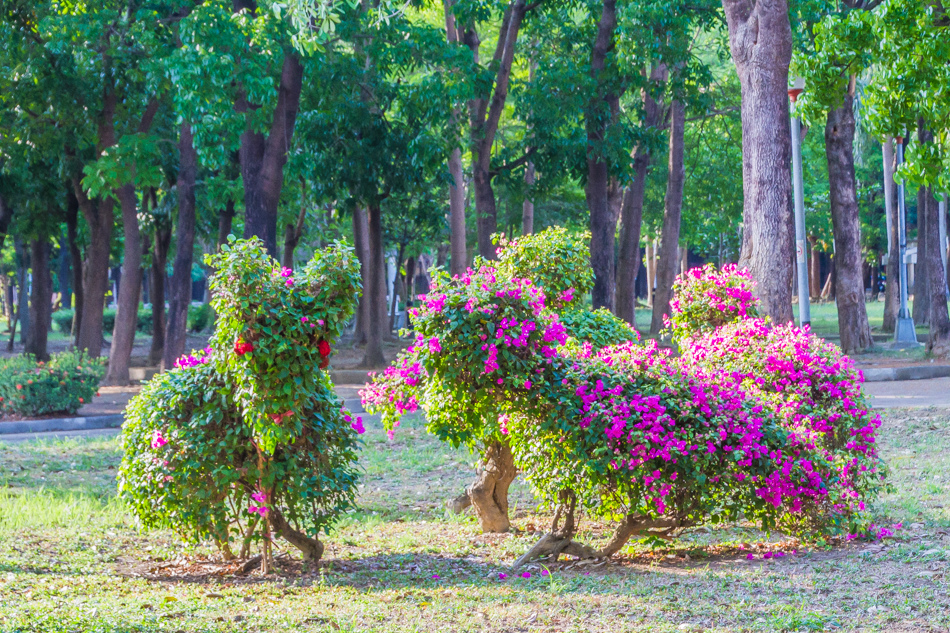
x,y
62,385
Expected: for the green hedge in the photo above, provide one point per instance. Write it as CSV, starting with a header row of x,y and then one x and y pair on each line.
x,y
200,319
62,385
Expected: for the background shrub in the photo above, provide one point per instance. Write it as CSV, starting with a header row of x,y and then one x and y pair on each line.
x,y
62,385
63,320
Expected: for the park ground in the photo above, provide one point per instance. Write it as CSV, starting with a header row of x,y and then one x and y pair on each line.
x,y
72,559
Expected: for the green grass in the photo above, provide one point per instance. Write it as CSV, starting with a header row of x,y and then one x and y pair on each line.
x,y
72,559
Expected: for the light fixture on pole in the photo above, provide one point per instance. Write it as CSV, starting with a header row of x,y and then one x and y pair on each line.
x,y
804,309
904,334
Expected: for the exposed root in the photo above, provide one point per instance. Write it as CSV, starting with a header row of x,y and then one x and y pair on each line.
x,y
311,548
459,503
560,541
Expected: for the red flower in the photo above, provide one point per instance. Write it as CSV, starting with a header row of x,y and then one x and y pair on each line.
x,y
323,347
241,347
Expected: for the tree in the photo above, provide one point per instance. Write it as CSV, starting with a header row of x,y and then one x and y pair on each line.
x,y
760,38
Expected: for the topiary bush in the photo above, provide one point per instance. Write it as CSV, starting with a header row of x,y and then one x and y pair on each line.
x,y
62,385
513,318
772,430
247,439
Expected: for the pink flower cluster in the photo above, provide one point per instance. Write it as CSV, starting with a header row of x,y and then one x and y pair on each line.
x,y
705,298
260,497
192,360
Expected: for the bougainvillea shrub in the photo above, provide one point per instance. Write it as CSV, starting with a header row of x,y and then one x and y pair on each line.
x,y
706,298
61,385
247,438
814,392
751,422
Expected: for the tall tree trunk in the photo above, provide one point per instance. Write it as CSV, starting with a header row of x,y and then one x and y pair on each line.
x,y
376,293
176,332
292,235
892,287
225,221
459,259
921,307
672,214
361,239
853,323
760,39
22,293
99,217
527,207
65,263
599,115
263,159
72,226
631,216
651,271
162,241
6,215
938,342
485,113
41,300
814,269
126,317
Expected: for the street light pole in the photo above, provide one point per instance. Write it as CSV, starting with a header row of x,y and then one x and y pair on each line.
x,y
904,334
804,308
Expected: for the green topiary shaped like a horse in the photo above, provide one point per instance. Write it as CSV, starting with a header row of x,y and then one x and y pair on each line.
x,y
248,441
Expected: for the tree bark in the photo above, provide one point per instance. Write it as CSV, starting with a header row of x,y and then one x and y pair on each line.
x,y
361,239
6,215
72,226
938,342
64,276
161,243
126,317
489,492
263,159
225,221
631,215
600,113
180,292
892,287
760,39
814,269
99,217
921,306
41,299
853,323
376,292
459,257
485,113
22,293
527,207
672,214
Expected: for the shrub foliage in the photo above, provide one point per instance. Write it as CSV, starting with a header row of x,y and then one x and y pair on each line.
x,y
247,438
61,385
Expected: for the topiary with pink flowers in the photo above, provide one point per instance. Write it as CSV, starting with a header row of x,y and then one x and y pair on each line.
x,y
247,440
769,428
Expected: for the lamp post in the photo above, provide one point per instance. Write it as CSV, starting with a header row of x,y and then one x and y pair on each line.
x,y
904,334
804,309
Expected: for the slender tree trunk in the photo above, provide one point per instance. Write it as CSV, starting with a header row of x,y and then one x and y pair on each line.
x,y
849,289
892,284
527,207
6,215
651,271
99,218
828,289
292,235
225,221
41,300
921,307
631,219
72,225
361,238
672,213
814,269
376,293
760,39
65,263
176,332
459,258
126,318
263,159
162,242
599,115
938,342
485,113
23,292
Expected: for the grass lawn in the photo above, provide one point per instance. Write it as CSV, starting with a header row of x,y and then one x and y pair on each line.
x,y
71,558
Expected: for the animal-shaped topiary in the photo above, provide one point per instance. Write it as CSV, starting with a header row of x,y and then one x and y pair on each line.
x,y
248,439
